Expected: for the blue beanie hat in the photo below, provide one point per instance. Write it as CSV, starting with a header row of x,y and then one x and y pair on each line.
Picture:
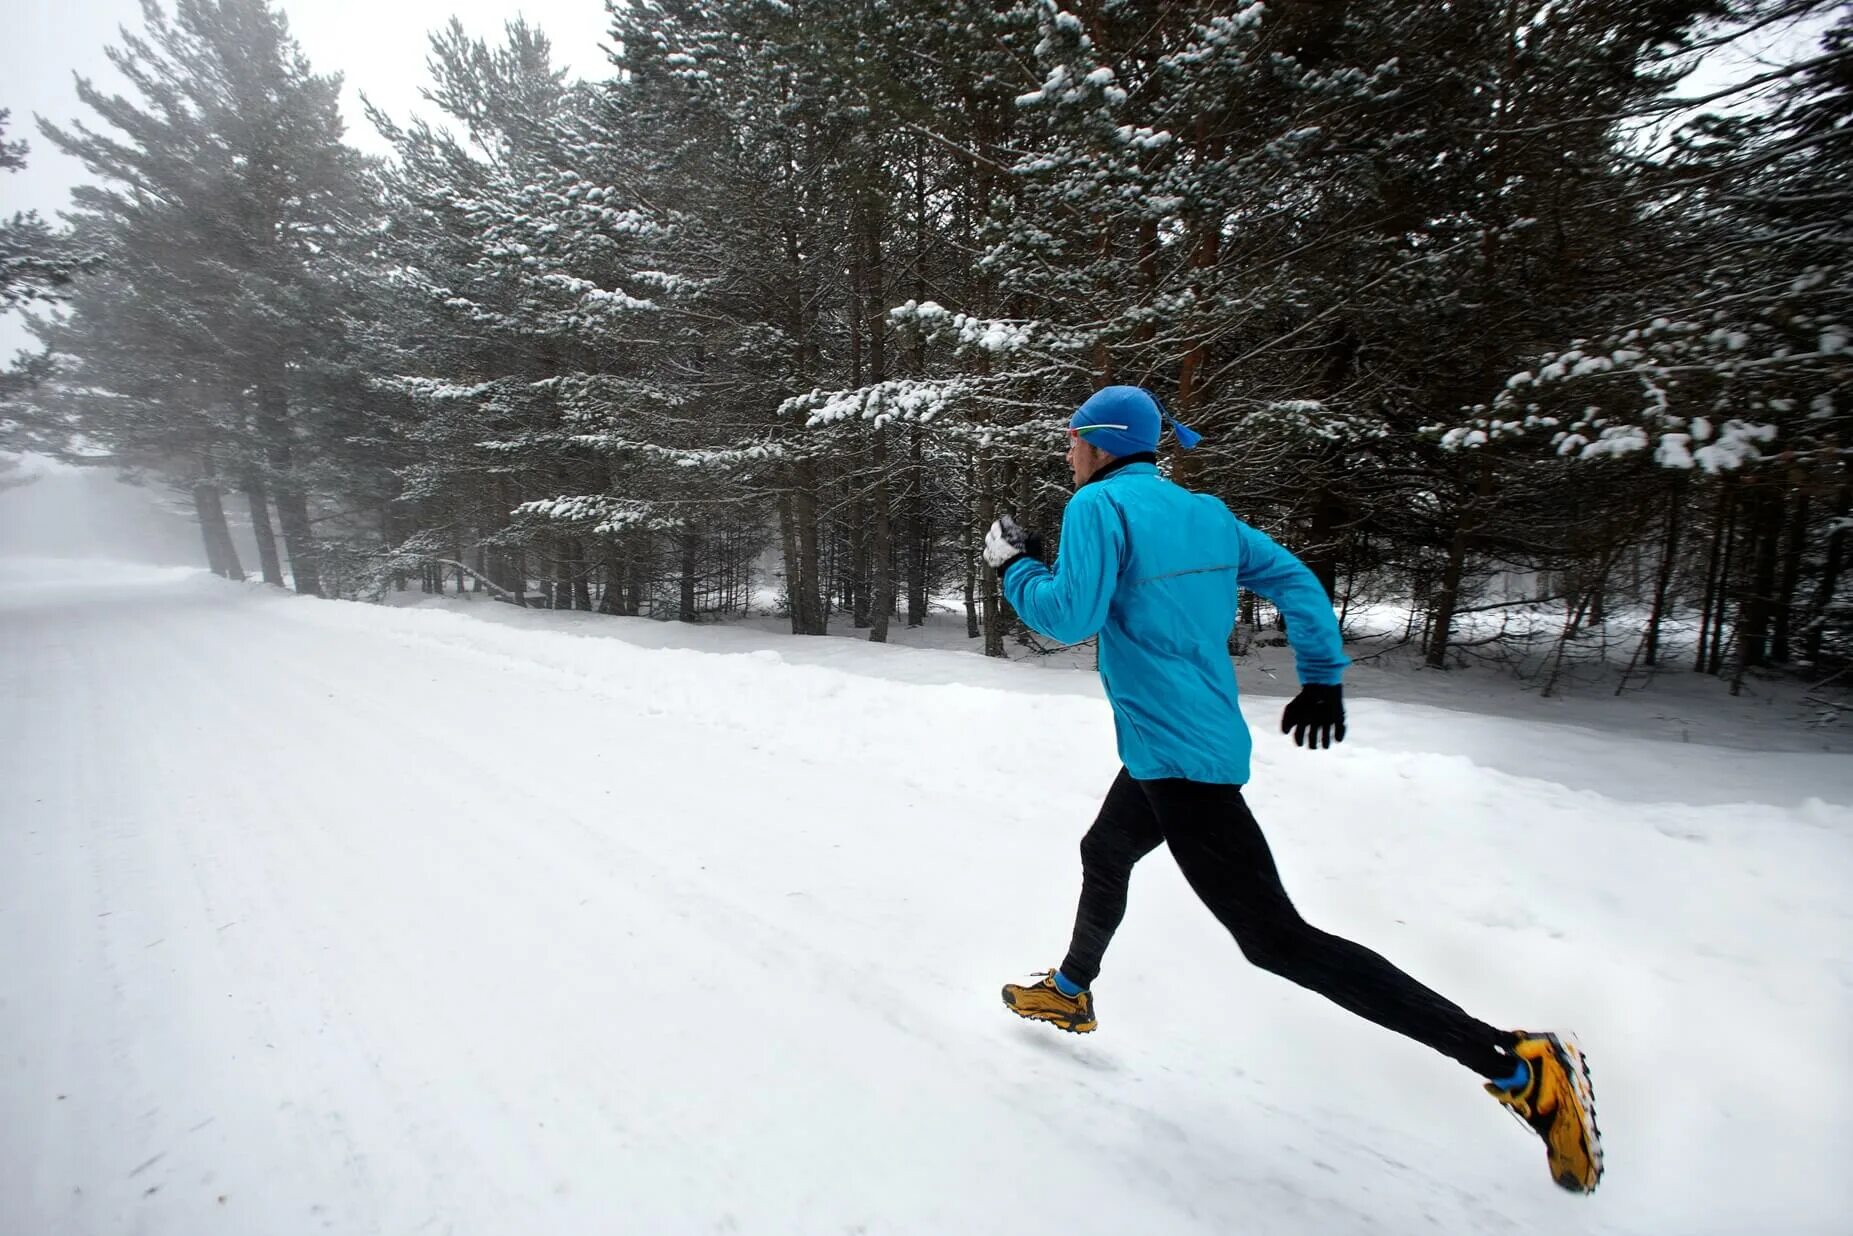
x,y
1126,420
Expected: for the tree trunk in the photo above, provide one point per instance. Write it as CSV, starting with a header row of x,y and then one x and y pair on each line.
x,y
1716,664
919,526
639,569
1758,611
578,575
292,502
1663,580
1322,549
1830,572
919,531
1447,600
804,513
293,510
858,593
788,551
835,580
858,585
691,566
968,551
1784,601
221,553
612,602
1189,385
389,537
1711,601
881,546
260,526
881,540
993,606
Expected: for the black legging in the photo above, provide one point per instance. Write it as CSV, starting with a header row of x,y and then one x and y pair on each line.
x,y
1223,855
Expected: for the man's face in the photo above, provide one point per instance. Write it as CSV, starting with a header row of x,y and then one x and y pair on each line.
x,y
1084,459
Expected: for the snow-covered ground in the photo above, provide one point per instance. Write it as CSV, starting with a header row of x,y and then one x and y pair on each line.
x,y
325,917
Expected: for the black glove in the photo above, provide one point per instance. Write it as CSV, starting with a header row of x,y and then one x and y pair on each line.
x,y
1316,716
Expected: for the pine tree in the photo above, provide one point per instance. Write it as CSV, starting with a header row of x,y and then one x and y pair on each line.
x,y
37,267
221,191
37,264
1727,357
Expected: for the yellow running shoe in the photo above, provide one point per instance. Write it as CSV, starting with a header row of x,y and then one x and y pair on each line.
x,y
1560,1106
1044,1002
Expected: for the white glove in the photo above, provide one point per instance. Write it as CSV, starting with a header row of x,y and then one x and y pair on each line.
x,y
1005,541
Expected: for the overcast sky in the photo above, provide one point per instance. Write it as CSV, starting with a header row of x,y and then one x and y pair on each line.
x,y
377,45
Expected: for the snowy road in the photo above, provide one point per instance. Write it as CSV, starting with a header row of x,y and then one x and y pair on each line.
x,y
326,917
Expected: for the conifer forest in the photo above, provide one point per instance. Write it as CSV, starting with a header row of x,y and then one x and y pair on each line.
x,y
1493,311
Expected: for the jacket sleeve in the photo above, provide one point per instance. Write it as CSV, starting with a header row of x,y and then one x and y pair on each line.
x,y
1269,569
1069,603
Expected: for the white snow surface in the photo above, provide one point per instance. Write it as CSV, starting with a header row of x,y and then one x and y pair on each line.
x,y
326,917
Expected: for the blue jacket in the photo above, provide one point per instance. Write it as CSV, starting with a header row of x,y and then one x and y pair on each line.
x,y
1152,568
